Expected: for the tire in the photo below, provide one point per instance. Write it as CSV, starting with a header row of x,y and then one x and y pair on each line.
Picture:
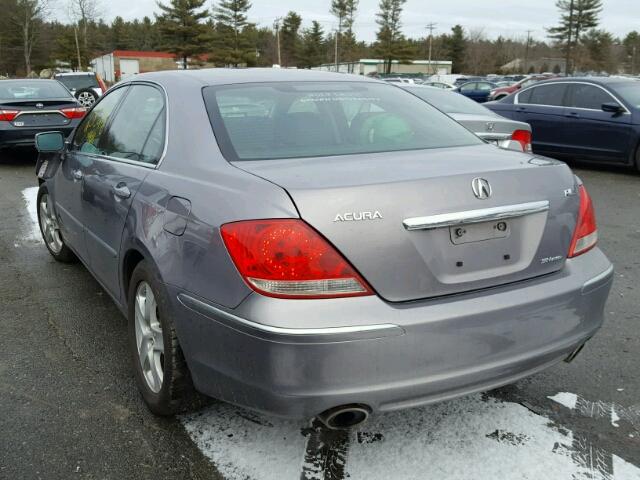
x,y
86,97
170,390
500,97
638,159
50,230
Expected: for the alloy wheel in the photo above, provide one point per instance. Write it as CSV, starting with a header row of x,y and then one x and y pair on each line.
x,y
149,340
49,225
86,99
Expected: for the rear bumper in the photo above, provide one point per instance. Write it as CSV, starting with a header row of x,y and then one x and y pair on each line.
x,y
11,136
300,360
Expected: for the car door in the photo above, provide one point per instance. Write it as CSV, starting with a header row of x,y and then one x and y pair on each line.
x,y
468,89
482,91
129,150
542,107
69,181
592,133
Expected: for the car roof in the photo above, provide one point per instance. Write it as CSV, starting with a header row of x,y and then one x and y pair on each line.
x,y
223,76
604,81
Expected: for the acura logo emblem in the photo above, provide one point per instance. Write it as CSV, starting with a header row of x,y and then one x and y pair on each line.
x,y
490,126
39,105
481,188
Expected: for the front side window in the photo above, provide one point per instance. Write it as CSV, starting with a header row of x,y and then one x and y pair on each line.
x,y
92,127
265,121
137,131
550,95
589,96
469,87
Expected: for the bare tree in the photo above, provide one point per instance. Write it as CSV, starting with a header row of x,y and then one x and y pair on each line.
x,y
27,17
83,12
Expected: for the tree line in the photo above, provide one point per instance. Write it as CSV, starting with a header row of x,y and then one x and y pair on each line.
x,y
224,35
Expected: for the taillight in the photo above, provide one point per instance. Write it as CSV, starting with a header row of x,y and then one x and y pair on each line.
x,y
77,112
8,115
523,137
286,258
585,235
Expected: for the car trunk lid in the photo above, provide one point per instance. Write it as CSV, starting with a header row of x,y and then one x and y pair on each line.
x,y
364,203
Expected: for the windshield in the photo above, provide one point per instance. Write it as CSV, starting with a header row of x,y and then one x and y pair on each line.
x,y
630,92
78,82
449,102
264,121
31,90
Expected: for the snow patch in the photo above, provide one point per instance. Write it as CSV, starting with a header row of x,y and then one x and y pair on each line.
x,y
567,399
30,196
471,437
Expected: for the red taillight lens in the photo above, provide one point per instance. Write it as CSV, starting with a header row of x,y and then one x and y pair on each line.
x,y
8,115
286,258
523,137
585,236
77,112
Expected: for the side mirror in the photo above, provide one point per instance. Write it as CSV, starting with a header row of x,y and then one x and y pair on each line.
x,y
612,107
49,142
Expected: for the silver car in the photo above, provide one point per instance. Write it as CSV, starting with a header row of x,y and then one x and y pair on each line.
x,y
314,244
490,126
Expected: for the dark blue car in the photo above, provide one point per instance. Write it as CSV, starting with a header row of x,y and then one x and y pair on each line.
x,y
590,119
478,91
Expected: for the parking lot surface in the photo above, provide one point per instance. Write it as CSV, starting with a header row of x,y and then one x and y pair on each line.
x,y
69,407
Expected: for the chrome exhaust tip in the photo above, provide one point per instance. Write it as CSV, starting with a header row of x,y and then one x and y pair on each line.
x,y
344,416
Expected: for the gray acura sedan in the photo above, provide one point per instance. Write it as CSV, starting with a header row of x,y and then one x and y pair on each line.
x,y
314,244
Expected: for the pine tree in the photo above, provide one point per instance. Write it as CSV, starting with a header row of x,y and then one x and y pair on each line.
x,y
345,12
576,17
181,28
232,45
456,45
290,39
391,44
313,47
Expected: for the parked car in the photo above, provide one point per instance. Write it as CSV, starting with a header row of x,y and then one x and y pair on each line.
x,y
31,106
345,249
478,91
86,86
441,85
399,80
462,80
489,126
592,119
502,91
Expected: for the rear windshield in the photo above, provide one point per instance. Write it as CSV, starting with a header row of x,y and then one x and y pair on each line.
x,y
31,89
449,102
265,121
78,82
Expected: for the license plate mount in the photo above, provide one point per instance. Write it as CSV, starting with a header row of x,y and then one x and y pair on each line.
x,y
479,232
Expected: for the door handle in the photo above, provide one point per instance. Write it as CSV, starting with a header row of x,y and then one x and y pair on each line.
x,y
77,174
121,190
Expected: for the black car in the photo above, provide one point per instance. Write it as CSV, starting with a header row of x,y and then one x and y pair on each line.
x,y
28,107
590,119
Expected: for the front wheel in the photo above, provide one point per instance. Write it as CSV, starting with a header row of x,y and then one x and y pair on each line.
x,y
161,371
50,229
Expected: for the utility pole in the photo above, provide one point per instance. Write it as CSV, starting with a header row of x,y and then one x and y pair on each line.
x,y
567,67
431,27
526,52
276,26
75,32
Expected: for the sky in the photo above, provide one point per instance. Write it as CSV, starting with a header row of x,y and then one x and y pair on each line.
x,y
509,18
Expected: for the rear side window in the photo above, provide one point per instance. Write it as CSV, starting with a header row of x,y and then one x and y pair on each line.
x,y
265,121
589,96
551,95
137,131
92,127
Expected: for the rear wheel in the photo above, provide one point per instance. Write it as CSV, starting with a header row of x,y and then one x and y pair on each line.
x,y
51,230
160,367
86,97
